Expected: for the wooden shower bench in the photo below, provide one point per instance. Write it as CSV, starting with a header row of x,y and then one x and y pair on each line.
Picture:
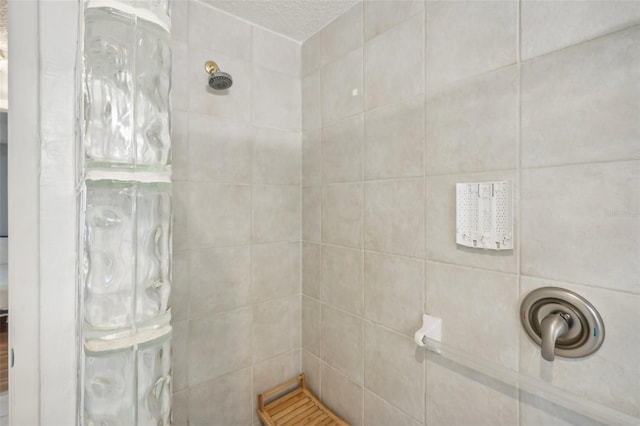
x,y
296,407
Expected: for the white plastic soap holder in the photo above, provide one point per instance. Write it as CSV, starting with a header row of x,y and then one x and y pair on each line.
x,y
431,329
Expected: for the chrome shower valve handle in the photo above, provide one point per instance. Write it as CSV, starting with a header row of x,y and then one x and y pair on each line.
x,y
553,326
562,323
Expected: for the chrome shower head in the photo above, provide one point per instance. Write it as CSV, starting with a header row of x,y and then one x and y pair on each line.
x,y
218,80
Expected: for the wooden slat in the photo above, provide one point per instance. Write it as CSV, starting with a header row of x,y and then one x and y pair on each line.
x,y
282,387
309,420
288,410
295,413
313,408
319,420
295,408
273,405
329,421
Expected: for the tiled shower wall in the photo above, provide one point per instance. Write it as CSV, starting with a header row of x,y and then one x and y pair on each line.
x,y
236,163
400,101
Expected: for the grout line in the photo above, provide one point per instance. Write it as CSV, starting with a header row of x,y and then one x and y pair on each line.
x,y
321,68
473,172
582,163
378,180
592,286
522,168
582,42
363,156
370,251
516,207
301,218
424,201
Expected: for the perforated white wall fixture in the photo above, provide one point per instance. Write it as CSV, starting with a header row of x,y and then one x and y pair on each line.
x,y
484,215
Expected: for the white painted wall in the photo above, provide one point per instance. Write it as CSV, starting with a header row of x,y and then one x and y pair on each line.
x,y
24,155
42,212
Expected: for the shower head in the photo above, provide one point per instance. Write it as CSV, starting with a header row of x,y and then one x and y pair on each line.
x,y
218,80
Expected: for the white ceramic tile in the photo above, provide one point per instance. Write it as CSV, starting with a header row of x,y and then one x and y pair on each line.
x,y
473,126
222,402
394,370
179,351
342,145
342,83
311,158
475,307
219,344
466,38
394,291
276,327
394,140
275,52
311,213
378,412
394,217
548,26
276,213
342,284
394,64
271,373
611,376
341,395
275,270
233,104
219,151
310,54
179,77
579,224
381,15
342,214
180,281
179,408
220,280
311,325
214,30
180,217
276,100
342,35
582,104
537,411
311,370
219,215
180,20
311,114
460,396
179,145
342,342
276,157
311,269
441,224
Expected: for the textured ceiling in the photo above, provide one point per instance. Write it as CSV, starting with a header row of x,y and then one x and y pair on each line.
x,y
297,19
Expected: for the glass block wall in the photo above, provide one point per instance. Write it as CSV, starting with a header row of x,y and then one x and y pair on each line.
x,y
124,184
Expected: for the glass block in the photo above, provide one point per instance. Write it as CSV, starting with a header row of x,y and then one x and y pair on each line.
x,y
154,382
153,250
109,58
109,251
158,7
109,383
153,82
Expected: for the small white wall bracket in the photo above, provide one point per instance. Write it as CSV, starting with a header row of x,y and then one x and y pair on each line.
x,y
484,215
431,329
